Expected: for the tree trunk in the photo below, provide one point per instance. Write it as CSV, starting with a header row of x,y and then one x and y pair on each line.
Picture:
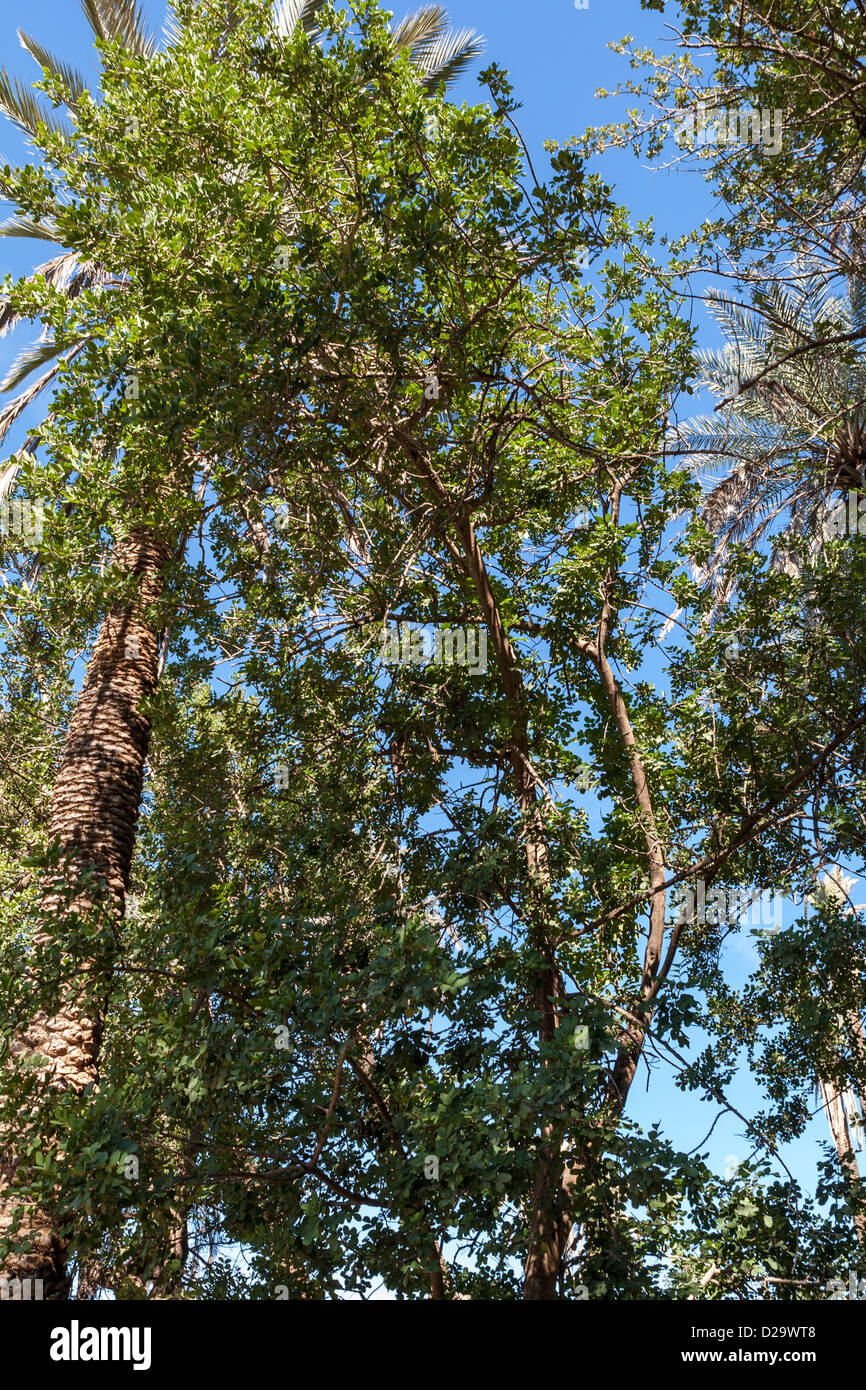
x,y
550,1226
834,1109
93,813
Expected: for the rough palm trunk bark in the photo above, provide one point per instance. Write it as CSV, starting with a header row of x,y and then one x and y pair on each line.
x,y
93,813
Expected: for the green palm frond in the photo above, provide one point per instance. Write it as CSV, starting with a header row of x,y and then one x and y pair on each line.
x,y
70,77
288,14
740,324
29,361
721,370
123,19
423,27
706,441
10,413
61,272
19,103
815,301
444,60
28,227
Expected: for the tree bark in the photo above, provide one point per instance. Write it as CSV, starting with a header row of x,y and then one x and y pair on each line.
x,y
555,1177
837,1118
549,1226
93,813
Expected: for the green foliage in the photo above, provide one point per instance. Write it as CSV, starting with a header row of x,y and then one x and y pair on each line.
x,y
325,1042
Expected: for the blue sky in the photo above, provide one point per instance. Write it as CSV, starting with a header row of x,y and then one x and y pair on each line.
x,y
557,56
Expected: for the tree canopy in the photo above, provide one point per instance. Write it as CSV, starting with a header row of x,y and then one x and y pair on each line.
x,y
400,733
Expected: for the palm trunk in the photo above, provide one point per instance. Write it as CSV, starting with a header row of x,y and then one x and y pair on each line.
x,y
93,813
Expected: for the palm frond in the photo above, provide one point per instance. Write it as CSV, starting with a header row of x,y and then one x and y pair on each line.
x,y
29,361
12,467
94,18
857,292
288,14
130,24
9,318
65,272
21,106
70,77
740,324
8,476
123,19
11,412
61,272
29,227
423,27
171,29
732,438
444,60
790,429
88,276
72,275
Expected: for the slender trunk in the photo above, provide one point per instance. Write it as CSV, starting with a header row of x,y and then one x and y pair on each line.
x,y
167,1280
557,1178
93,813
550,1227
837,1118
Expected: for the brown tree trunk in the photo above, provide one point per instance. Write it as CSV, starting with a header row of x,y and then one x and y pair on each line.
x,y
549,1225
93,813
834,1109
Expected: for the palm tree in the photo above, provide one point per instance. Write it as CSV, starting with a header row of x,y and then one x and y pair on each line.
x,y
95,800
790,427
790,433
